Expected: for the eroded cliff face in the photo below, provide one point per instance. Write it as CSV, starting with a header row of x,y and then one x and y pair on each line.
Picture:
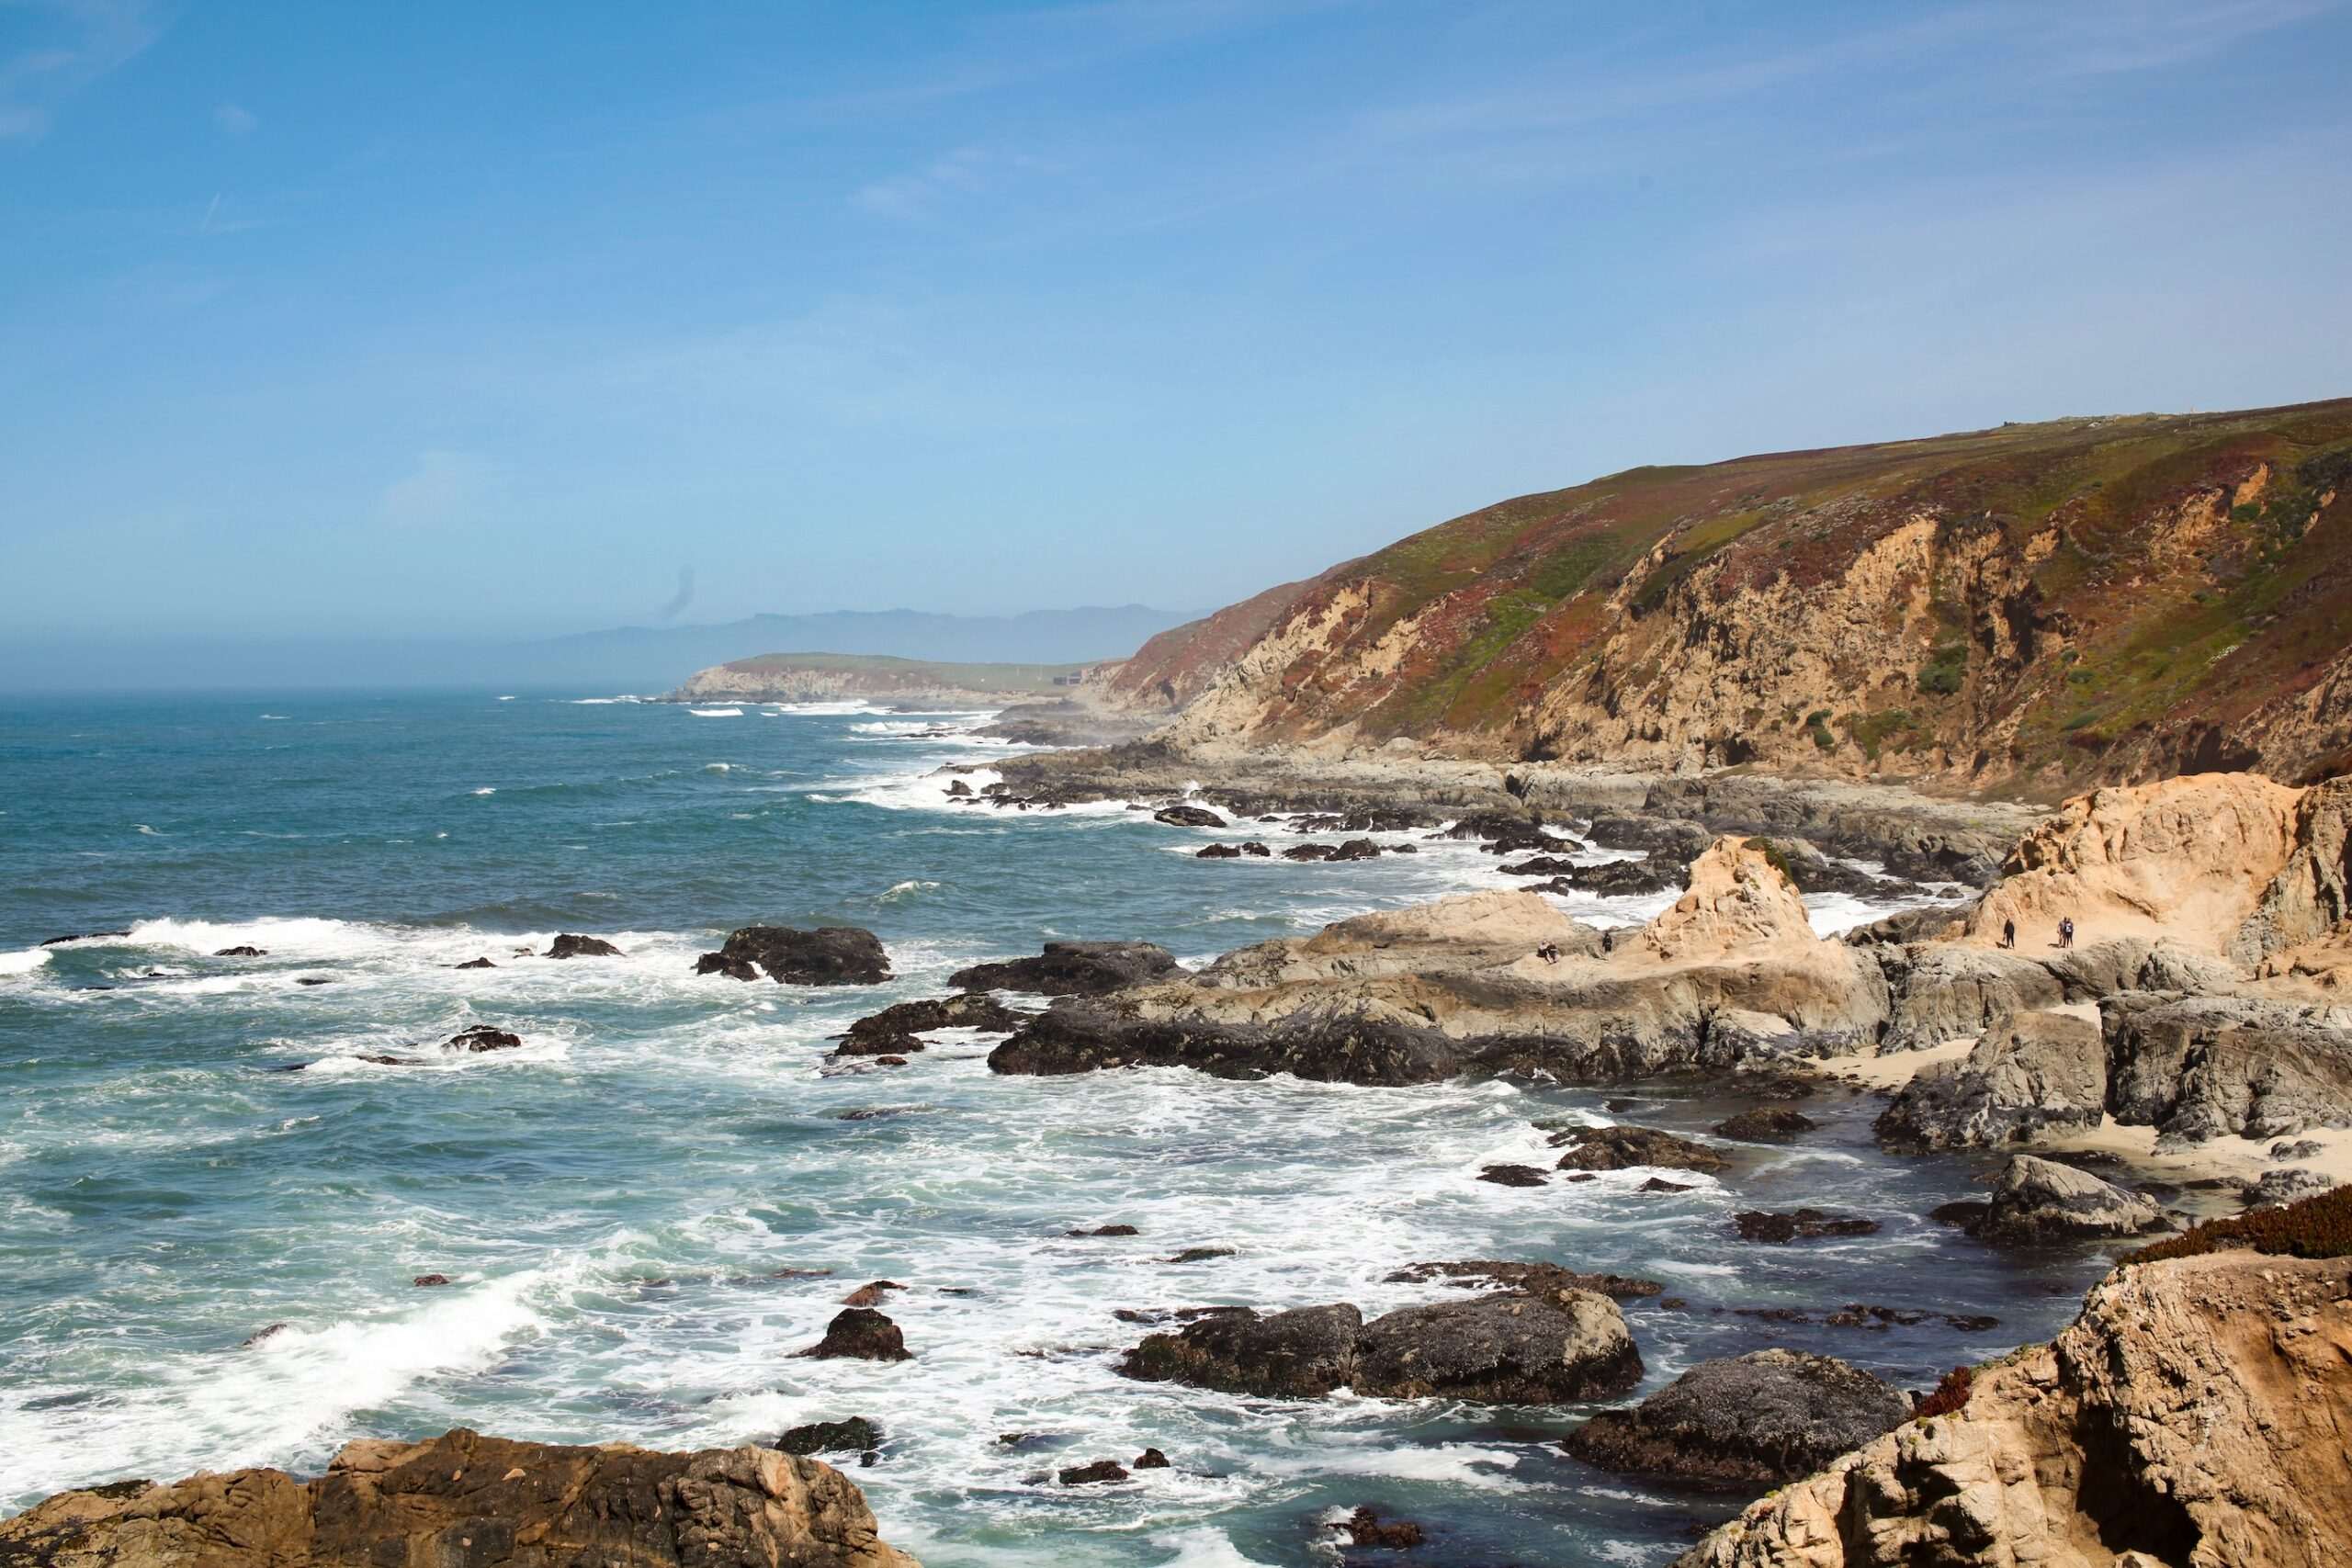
x,y
2045,604
2193,1417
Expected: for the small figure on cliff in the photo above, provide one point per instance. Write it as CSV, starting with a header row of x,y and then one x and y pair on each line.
x,y
1549,952
2066,931
2009,933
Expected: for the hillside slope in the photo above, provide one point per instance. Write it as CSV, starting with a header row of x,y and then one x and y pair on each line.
x,y
820,677
2034,605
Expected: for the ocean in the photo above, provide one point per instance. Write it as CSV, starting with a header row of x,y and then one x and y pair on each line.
x,y
206,1259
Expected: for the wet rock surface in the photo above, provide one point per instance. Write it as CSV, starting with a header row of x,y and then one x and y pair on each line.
x,y
860,1334
1624,1148
1074,968
1800,1224
569,945
829,955
1758,1419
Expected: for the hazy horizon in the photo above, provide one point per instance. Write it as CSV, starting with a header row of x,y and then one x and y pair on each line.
x,y
336,326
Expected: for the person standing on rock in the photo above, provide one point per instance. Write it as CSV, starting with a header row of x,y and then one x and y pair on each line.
x,y
2009,933
2066,931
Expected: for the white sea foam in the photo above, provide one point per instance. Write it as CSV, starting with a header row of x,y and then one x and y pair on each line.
x,y
897,890
142,828
716,713
599,702
24,962
487,789
506,699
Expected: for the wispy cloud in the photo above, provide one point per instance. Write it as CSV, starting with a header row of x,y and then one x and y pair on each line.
x,y
234,119
967,171
443,486
79,42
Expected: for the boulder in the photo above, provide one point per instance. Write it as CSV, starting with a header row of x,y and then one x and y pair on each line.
x,y
1506,1349
959,788
1749,1421
733,968
1217,851
1150,1459
1627,878
1623,1148
874,1293
1307,852
1252,847
2041,1201
466,1501
242,951
1512,1175
856,1436
860,1334
1188,816
1088,1474
2030,1074
1366,1527
568,945
2288,1186
1766,1124
1104,1230
1304,1353
829,955
475,963
1356,849
482,1037
1073,969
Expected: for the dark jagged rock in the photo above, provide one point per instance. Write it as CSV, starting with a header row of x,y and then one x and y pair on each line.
x,y
1660,1184
1089,1474
1766,1124
1105,1230
313,980
242,950
1504,1349
1073,969
830,955
1963,1211
1670,838
82,936
1801,1224
1307,852
959,788
1150,1459
475,963
1188,816
1626,878
1754,1420
1356,849
466,1501
2030,1074
1365,1528
1304,1353
873,1293
1512,1175
1530,1279
1076,1037
862,1334
569,945
1198,1254
482,1037
2041,1201
1252,847
895,1027
1622,1148
719,964
1217,851
856,1436
1540,865
428,1281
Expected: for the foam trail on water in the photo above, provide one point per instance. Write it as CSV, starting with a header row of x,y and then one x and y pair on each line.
x,y
716,713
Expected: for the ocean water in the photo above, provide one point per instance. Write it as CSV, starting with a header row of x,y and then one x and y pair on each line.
x,y
623,1203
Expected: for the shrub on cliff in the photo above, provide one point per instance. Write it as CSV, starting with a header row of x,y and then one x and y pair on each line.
x,y
2316,1227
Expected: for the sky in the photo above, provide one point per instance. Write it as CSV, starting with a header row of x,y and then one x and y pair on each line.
x,y
423,319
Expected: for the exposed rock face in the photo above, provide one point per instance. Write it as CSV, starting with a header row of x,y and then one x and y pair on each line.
x,y
568,945
2030,1074
464,1499
2193,1413
1072,969
1798,1224
2197,1068
1884,609
1748,1420
1766,1124
482,1037
856,1435
830,955
1948,991
1188,816
2040,1200
862,1334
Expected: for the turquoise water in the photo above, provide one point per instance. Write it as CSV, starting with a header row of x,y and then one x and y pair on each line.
x,y
614,1200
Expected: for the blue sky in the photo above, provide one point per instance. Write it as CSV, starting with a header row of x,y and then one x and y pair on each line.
x,y
432,319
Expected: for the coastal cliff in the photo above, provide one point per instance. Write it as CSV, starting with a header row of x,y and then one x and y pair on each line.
x,y
2034,606
2193,1413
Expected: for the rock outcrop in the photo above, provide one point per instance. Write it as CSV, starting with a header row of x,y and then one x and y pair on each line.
x,y
2041,1201
1754,1420
2030,1074
830,955
2193,1413
466,1501
1072,969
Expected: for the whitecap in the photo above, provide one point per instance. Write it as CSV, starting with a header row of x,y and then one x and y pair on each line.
x,y
487,789
146,830
716,713
901,890
23,963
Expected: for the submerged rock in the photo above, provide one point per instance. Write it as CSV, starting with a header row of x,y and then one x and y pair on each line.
x,y
482,1037
1801,1224
1534,1278
895,1027
1101,1470
475,963
1365,1528
1072,968
568,945
466,1501
1512,1175
1766,1124
242,950
1750,1420
856,1435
